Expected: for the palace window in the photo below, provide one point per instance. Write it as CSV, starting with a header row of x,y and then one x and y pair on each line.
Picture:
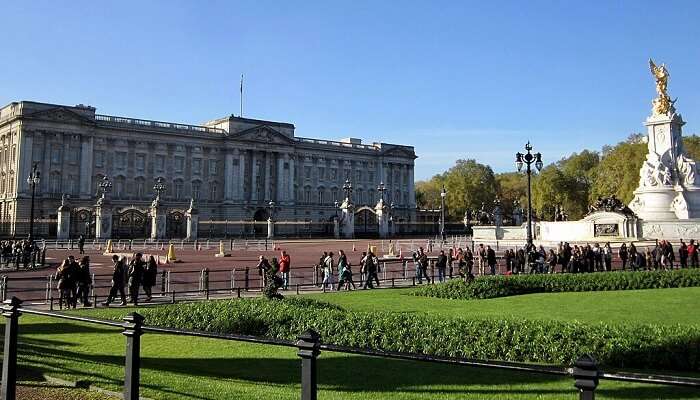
x,y
370,176
334,174
307,195
160,163
321,196
140,162
358,176
99,159
212,167
307,172
120,160
55,155
196,189
334,194
321,173
179,164
213,191
178,189
196,166
55,182
140,188
119,187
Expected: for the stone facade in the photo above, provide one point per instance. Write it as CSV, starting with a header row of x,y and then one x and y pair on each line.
x,y
231,166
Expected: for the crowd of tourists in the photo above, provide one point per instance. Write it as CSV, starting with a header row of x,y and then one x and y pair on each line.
x,y
74,280
19,253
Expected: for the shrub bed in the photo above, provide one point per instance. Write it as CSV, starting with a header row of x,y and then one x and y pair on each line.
x,y
500,286
636,346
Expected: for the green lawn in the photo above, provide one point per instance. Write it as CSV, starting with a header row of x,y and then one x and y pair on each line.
x,y
197,368
659,306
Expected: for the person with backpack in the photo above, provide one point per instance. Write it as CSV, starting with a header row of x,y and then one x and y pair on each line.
x,y
370,270
423,265
344,272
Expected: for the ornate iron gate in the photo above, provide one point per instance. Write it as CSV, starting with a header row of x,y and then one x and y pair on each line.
x,y
130,224
176,225
82,222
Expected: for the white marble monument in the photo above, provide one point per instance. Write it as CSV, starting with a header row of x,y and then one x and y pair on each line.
x,y
667,189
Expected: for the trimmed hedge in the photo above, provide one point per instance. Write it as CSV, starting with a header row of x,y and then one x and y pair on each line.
x,y
488,287
638,346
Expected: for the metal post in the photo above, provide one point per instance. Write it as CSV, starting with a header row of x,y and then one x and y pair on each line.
x,y
162,283
586,376
233,279
309,348
247,272
10,310
206,282
133,332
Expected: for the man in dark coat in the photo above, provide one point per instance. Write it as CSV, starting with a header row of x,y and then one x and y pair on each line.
x,y
491,259
136,268
117,282
441,265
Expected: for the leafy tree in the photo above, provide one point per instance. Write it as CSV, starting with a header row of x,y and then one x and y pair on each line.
x,y
469,185
511,186
428,193
691,145
618,171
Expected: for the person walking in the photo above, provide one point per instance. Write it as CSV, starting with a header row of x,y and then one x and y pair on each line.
x,y
441,265
693,253
285,265
117,281
149,277
491,259
84,281
683,254
607,256
481,253
136,268
370,270
81,244
344,272
423,265
328,271
623,254
64,278
263,265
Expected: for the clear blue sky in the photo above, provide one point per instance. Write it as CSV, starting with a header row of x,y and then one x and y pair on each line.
x,y
455,79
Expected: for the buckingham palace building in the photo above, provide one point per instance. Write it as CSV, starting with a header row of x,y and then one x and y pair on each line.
x,y
232,167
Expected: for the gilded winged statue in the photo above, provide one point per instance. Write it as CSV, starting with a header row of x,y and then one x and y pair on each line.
x,y
662,105
661,74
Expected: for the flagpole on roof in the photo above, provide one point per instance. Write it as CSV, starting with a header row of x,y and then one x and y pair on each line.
x,y
241,95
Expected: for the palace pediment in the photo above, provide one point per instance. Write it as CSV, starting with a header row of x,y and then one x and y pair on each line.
x,y
262,134
60,114
399,152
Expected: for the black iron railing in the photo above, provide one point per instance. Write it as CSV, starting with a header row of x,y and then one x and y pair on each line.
x,y
585,371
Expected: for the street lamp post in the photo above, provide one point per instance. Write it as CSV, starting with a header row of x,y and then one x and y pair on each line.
x,y
271,207
381,189
391,219
443,193
528,159
105,186
347,188
32,180
159,188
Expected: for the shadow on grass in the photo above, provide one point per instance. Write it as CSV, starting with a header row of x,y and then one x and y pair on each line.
x,y
349,373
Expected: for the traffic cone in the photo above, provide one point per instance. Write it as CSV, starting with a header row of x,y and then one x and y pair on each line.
x,y
171,253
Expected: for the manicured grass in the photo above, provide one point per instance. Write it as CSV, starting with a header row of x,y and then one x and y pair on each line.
x,y
185,368
657,306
